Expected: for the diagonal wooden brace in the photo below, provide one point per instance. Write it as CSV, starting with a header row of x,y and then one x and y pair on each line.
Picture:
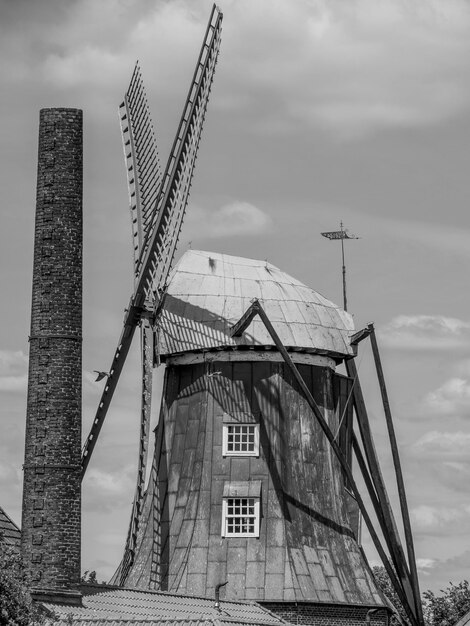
x,y
398,472
237,330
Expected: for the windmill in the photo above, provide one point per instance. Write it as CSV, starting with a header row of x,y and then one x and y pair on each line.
x,y
251,471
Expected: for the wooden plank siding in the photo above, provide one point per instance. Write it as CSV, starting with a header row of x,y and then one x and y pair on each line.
x,y
306,550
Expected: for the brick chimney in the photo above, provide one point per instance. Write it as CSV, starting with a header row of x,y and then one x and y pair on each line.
x,y
51,522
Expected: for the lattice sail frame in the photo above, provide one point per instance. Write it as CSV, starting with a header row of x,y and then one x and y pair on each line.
x,y
147,347
144,175
159,246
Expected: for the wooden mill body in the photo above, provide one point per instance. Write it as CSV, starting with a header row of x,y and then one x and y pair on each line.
x,y
305,549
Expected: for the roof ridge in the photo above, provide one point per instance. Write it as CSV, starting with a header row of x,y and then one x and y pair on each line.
x,y
9,519
175,594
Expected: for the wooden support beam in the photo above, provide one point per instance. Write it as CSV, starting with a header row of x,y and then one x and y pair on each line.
x,y
398,474
367,478
257,309
359,336
239,328
371,489
391,534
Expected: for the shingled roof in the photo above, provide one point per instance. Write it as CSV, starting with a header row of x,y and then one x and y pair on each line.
x,y
10,534
108,606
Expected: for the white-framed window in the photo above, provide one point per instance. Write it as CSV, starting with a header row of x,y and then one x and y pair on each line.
x,y
240,517
241,509
240,439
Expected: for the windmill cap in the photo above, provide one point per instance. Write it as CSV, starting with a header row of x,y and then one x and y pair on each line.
x,y
209,292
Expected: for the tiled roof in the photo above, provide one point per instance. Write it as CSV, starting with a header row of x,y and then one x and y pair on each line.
x,y
116,607
208,293
9,531
214,621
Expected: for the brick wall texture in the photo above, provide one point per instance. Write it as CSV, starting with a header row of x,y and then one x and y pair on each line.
x,y
51,492
311,614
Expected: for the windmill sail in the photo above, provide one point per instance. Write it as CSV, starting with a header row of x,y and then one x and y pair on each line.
x,y
152,234
160,246
143,166
164,224
144,178
147,344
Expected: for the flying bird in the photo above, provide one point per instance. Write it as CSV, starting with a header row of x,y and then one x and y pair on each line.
x,y
101,375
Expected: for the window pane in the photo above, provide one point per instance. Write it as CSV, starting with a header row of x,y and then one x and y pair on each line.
x,y
241,438
241,516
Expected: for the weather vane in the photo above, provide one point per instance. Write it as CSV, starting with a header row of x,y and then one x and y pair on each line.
x,y
341,234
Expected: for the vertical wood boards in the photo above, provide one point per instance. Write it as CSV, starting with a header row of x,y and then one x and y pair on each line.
x,y
306,550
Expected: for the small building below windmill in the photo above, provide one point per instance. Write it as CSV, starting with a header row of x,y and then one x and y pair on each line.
x,y
107,606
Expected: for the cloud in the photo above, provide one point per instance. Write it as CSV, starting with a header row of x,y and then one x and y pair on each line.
x,y
425,565
451,570
426,332
437,520
13,371
10,474
445,445
348,68
451,398
112,484
105,491
442,462
231,220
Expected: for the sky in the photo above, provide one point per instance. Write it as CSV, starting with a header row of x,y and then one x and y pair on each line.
x,y
321,112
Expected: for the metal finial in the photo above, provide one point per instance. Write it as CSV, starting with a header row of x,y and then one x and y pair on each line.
x,y
341,234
